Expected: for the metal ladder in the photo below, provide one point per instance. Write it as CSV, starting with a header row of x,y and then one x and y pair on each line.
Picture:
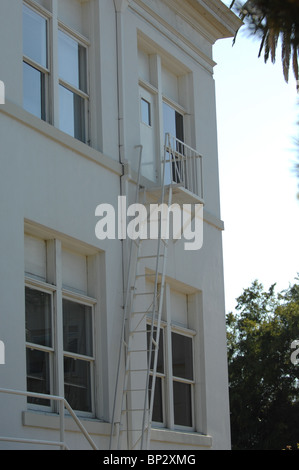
x,y
140,337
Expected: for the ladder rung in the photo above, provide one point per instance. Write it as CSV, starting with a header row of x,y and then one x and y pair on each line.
x,y
137,350
145,293
133,430
136,390
133,409
138,331
146,275
150,256
142,313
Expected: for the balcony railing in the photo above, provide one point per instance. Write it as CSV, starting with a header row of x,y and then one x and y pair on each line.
x,y
183,166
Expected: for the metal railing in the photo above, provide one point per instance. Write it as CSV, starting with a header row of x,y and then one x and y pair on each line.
x,y
183,165
63,404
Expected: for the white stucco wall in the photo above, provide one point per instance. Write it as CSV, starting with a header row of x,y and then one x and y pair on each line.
x,y
51,182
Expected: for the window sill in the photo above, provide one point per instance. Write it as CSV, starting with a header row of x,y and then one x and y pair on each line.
x,y
51,421
29,120
181,438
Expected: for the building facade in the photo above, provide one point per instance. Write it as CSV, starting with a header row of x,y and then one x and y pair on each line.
x,y
90,87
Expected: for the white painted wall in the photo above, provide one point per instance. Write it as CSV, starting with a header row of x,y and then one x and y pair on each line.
x,y
54,183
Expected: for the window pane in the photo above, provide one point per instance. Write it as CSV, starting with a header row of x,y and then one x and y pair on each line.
x,y
158,403
38,317
173,122
182,357
182,404
72,61
145,112
160,360
77,386
38,375
33,91
77,328
34,36
71,113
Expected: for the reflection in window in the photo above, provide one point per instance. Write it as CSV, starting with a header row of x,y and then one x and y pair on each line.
x,y
78,349
182,368
173,123
35,62
77,329
72,61
34,36
72,113
38,316
73,87
77,384
34,91
145,112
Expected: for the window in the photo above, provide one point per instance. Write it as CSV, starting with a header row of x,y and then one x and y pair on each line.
x,y
59,328
173,405
35,62
145,112
72,86
39,342
182,372
69,57
164,102
78,354
173,124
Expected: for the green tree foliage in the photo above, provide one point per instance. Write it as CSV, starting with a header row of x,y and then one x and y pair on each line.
x,y
264,393
274,21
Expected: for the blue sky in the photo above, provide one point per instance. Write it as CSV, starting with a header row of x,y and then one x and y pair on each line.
x,y
256,117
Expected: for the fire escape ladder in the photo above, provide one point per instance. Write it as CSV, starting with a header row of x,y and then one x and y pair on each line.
x,y
135,386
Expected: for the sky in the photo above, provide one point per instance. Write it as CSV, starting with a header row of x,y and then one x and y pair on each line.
x,y
257,112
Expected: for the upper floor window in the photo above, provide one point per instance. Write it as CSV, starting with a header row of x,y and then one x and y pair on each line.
x,y
35,62
40,85
73,98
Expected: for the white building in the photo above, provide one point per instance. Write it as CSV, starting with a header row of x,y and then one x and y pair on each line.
x,y
87,83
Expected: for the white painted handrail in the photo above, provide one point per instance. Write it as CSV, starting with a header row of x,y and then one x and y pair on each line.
x,y
63,404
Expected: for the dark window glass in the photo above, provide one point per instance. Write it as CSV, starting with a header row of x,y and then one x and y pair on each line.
x,y
38,375
158,401
182,357
38,317
77,383
160,359
77,328
182,404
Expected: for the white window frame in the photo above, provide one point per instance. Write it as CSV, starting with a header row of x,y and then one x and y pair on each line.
x,y
46,71
83,42
168,327
53,286
52,79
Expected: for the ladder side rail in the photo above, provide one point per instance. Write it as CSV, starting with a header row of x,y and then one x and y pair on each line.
x,y
125,306
154,372
167,148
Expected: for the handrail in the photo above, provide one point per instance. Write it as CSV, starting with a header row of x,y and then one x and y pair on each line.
x,y
62,405
183,167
